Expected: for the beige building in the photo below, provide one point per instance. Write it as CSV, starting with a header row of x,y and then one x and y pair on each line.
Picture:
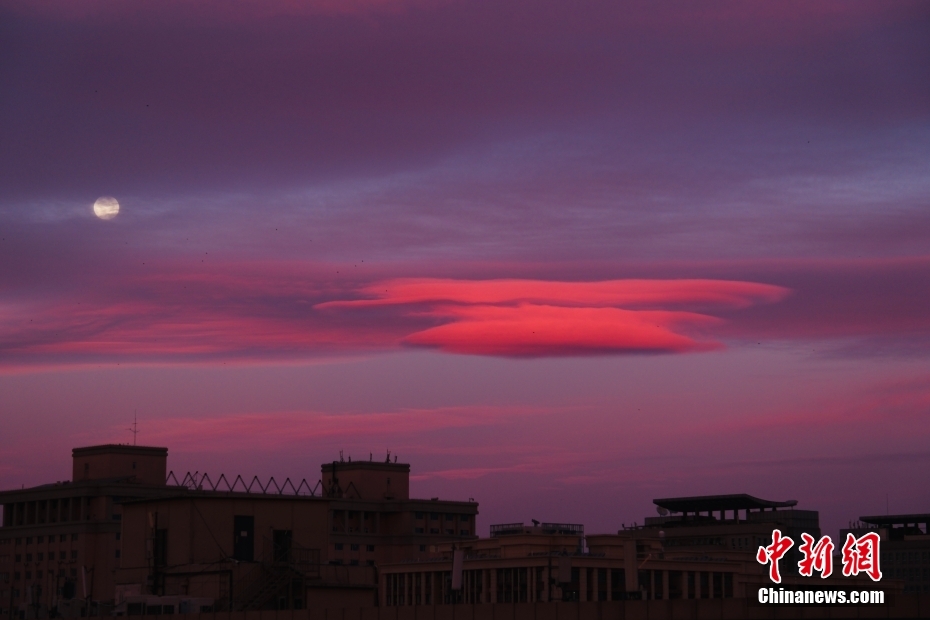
x,y
698,548
117,536
60,543
283,551
905,547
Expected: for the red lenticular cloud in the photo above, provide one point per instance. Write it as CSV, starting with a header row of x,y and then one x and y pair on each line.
x,y
726,293
529,318
534,330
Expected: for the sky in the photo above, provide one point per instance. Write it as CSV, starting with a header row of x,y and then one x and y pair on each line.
x,y
562,258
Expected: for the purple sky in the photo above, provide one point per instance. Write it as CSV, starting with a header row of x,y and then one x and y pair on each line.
x,y
563,258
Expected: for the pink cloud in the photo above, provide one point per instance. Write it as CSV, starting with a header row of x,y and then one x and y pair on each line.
x,y
626,293
271,431
293,311
526,318
533,330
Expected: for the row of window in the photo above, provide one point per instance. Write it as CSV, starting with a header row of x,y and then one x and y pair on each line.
x,y
40,539
911,574
354,547
18,576
46,511
436,530
352,562
906,557
62,555
521,585
434,516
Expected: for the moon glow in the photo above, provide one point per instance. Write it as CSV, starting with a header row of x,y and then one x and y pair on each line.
x,y
106,207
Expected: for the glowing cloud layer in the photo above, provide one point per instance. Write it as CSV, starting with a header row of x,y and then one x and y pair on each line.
x,y
544,318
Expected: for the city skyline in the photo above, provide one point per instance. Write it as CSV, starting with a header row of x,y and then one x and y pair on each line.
x,y
561,259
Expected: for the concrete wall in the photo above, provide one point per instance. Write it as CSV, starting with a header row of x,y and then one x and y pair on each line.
x,y
146,464
368,480
903,606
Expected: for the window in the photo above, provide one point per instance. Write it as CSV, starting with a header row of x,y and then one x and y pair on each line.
x,y
40,539
62,555
133,464
338,546
16,576
28,574
117,553
117,535
418,515
370,563
38,574
74,572
74,537
40,556
418,530
19,541
74,555
18,557
29,557
369,548
28,540
353,562
434,530
63,538
450,532
464,518
422,547
434,516
464,532
353,547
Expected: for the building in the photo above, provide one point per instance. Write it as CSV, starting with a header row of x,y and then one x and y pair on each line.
x,y
60,543
124,534
697,548
283,549
729,526
905,547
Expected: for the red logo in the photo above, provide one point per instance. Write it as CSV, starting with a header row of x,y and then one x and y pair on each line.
x,y
817,557
773,553
860,555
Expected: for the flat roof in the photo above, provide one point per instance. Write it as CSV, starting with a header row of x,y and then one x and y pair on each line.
x,y
119,448
369,465
897,519
704,503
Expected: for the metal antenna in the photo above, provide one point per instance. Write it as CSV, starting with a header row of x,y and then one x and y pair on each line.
x,y
134,429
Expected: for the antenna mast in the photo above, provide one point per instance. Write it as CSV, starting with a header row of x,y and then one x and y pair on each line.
x,y
134,429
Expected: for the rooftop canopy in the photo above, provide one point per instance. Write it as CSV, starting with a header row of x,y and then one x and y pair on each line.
x,y
705,503
896,519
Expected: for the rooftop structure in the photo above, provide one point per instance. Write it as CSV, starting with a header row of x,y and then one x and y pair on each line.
x,y
730,526
905,547
512,529
720,503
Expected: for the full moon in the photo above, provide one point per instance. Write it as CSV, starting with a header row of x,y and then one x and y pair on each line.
x,y
106,207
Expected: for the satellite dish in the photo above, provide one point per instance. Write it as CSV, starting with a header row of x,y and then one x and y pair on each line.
x,y
662,511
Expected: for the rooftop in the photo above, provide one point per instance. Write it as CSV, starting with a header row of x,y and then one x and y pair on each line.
x,y
512,529
897,519
706,503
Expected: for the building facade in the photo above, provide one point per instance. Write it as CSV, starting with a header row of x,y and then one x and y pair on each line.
x,y
698,548
60,543
905,547
276,550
